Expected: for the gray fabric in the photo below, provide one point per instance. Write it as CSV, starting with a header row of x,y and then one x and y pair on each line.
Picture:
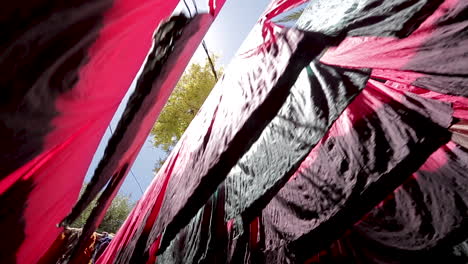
x,y
366,17
318,98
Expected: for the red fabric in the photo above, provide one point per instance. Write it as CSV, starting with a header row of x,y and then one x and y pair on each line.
x,y
152,199
169,81
278,7
254,233
85,112
459,103
440,182
132,142
386,52
400,64
378,53
56,250
154,249
269,28
215,6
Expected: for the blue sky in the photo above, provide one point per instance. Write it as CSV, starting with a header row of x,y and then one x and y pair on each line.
x,y
227,33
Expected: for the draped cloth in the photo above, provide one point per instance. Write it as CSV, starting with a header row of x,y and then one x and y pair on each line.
x,y
416,216
340,140
66,67
342,153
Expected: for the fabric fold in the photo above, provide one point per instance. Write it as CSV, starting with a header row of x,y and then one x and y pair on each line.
x,y
319,96
65,68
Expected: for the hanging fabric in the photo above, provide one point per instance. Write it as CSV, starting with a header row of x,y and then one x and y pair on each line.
x,y
358,122
318,97
431,228
368,152
174,42
329,142
422,220
252,105
65,69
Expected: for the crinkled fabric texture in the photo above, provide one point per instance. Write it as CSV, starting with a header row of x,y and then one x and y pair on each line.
x,y
230,120
65,68
327,183
319,96
436,60
310,116
369,151
204,239
242,104
426,215
424,220
372,149
174,43
433,57
387,18
256,175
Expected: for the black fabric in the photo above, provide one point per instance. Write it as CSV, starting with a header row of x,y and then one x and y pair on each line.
x,y
12,223
318,98
426,216
204,239
389,18
108,170
246,247
448,72
42,48
36,67
460,252
269,76
165,37
423,221
346,175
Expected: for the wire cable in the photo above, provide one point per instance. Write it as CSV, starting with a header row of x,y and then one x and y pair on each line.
x,y
210,60
131,171
195,6
138,183
205,48
188,9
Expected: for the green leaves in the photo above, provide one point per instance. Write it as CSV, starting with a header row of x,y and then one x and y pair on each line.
x,y
182,106
114,218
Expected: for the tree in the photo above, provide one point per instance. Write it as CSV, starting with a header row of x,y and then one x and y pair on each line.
x,y
114,218
292,17
183,104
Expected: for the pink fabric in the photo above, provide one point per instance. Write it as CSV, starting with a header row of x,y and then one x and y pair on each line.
x,y
153,251
365,109
269,28
182,56
437,160
385,52
215,6
85,112
150,200
373,97
277,7
459,103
